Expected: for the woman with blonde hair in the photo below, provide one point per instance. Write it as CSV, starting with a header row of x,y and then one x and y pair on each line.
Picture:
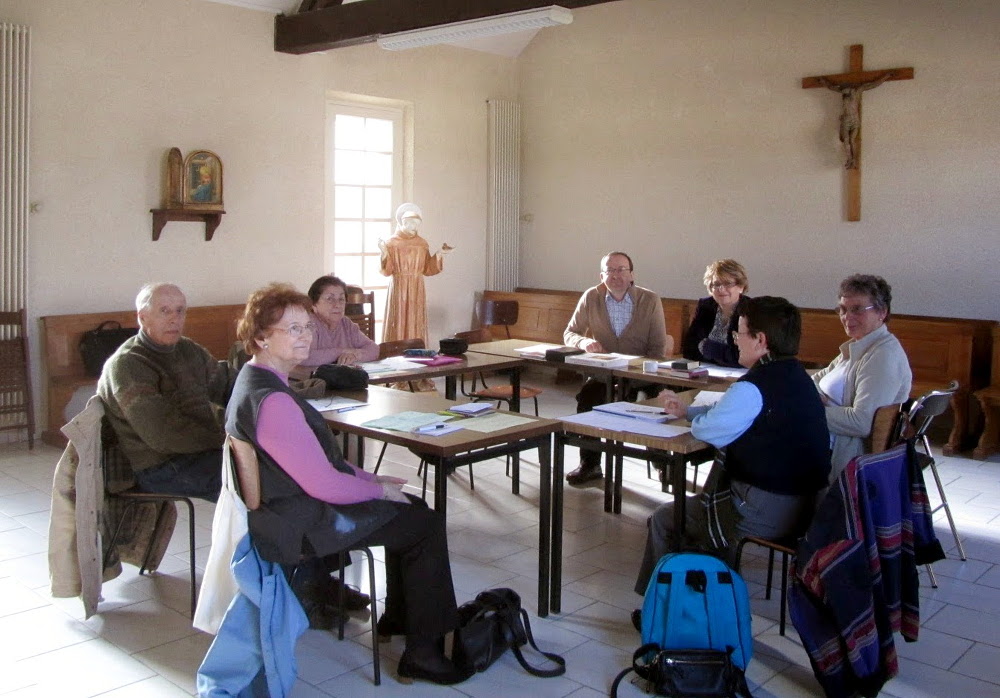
x,y
710,336
311,497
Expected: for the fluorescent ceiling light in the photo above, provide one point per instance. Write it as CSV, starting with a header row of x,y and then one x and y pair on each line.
x,y
476,28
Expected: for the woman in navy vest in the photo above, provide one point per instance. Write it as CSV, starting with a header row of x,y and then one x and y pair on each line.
x,y
315,502
772,428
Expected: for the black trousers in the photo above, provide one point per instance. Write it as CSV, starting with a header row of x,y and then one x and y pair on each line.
x,y
595,392
420,596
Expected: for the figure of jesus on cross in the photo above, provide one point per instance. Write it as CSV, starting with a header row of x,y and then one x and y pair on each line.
x,y
851,85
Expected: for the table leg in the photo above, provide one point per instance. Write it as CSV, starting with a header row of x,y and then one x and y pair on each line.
x,y
609,478
622,393
617,502
515,473
544,524
440,484
515,389
450,383
555,577
676,465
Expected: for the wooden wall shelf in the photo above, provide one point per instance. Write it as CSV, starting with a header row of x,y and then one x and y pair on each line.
x,y
162,215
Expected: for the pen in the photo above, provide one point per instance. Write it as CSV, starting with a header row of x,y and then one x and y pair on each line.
x,y
647,411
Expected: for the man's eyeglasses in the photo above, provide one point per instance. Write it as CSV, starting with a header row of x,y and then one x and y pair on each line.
x,y
737,333
717,285
616,270
295,331
855,310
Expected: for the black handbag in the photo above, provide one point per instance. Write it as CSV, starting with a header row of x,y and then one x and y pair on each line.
x,y
686,673
490,624
339,377
100,343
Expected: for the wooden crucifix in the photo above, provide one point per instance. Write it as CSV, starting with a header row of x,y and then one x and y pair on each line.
x,y
850,85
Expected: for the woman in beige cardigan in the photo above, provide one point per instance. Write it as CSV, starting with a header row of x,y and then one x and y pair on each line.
x,y
871,370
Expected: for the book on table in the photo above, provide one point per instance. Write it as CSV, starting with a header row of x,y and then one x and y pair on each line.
x,y
602,360
679,364
693,373
649,413
535,351
472,409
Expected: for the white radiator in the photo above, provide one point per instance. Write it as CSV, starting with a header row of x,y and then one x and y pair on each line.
x,y
502,238
14,76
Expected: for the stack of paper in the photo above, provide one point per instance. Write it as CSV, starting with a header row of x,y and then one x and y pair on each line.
x,y
536,351
602,360
393,363
471,409
630,409
335,404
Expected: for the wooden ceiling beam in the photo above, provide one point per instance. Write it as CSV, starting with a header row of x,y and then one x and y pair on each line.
x,y
362,22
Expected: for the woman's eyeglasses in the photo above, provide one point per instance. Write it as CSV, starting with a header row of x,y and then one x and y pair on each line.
x,y
718,285
855,310
295,331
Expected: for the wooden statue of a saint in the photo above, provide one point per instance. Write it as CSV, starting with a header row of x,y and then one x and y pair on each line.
x,y
407,259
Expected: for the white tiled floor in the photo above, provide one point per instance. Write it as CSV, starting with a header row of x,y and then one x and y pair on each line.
x,y
142,644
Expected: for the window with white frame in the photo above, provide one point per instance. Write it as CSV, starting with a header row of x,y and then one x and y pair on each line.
x,y
365,177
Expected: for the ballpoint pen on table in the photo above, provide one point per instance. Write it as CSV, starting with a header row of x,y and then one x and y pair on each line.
x,y
648,411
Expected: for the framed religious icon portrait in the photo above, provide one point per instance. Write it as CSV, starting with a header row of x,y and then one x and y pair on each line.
x,y
202,182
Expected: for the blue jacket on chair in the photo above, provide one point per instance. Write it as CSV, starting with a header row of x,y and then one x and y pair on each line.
x,y
256,642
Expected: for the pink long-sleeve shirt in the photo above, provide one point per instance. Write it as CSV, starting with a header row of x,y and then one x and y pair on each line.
x,y
328,345
282,431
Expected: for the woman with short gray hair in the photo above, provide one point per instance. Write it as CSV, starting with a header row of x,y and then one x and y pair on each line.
x,y
870,371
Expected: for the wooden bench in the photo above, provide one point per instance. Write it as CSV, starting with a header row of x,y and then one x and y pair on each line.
x,y
212,326
939,349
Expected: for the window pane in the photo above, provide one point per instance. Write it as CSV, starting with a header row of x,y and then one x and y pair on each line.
x,y
379,135
373,277
350,167
347,202
375,230
378,202
349,132
378,169
348,269
347,237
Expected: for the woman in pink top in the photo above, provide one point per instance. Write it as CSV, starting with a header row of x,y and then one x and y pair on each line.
x,y
336,339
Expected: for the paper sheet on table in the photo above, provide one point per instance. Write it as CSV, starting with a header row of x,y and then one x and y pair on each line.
x,y
604,420
335,404
494,422
537,350
706,398
404,421
393,363
723,372
439,429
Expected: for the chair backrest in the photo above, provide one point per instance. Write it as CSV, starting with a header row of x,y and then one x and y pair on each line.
x,y
475,336
497,312
887,427
244,457
387,349
357,299
15,372
928,406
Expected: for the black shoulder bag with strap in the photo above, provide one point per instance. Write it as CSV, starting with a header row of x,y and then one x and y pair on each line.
x,y
97,345
686,673
490,624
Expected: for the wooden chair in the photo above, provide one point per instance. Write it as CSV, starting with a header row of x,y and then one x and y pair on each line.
x,y
500,393
357,299
113,464
497,312
396,348
15,374
247,472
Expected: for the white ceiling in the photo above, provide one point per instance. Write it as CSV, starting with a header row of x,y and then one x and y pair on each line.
x,y
509,45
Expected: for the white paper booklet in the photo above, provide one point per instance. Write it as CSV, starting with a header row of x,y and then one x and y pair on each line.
x,y
650,413
602,360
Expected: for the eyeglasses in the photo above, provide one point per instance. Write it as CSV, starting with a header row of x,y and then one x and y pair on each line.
x,y
737,333
295,331
330,298
853,310
716,285
615,270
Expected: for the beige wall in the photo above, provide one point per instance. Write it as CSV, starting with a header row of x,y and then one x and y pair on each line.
x,y
679,131
116,83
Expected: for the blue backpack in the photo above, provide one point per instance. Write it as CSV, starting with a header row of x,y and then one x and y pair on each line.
x,y
696,638
697,602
